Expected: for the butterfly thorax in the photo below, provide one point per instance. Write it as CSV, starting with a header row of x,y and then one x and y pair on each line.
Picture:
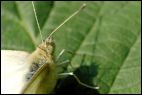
x,y
44,54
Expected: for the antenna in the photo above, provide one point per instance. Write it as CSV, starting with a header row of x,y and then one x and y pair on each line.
x,y
37,20
66,20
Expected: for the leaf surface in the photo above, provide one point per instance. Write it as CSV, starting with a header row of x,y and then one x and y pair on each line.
x,y
105,37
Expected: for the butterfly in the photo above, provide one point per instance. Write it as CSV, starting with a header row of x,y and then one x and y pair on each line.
x,y
42,75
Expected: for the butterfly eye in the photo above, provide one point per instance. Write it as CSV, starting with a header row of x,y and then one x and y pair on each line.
x,y
49,40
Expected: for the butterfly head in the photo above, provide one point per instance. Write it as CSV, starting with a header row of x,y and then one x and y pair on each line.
x,y
48,45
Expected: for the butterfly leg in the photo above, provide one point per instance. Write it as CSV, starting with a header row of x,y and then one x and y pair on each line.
x,y
64,62
78,80
62,52
71,73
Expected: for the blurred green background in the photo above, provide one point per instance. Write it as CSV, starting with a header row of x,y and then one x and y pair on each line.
x,y
106,37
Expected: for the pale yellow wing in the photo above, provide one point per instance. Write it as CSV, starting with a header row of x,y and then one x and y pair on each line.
x,y
43,81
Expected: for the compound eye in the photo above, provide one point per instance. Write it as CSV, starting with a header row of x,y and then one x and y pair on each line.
x,y
49,49
49,41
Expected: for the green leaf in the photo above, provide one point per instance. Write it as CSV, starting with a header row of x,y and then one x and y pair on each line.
x,y
105,37
18,21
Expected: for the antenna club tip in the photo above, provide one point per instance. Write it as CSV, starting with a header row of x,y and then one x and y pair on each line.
x,y
83,5
97,87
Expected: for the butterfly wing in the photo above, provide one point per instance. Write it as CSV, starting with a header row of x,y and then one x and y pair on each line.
x,y
13,69
43,81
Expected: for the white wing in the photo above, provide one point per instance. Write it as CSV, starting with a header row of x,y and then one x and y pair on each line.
x,y
14,66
